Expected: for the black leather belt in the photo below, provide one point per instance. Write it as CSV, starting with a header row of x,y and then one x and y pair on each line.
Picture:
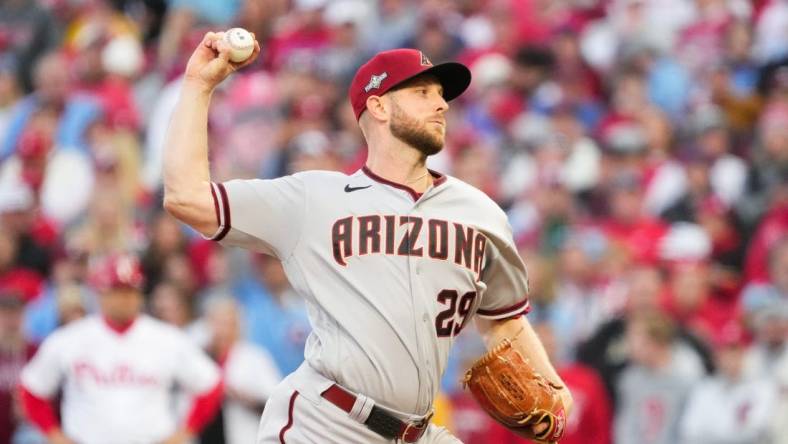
x,y
379,421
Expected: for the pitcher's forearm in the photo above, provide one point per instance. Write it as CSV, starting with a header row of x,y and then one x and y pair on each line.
x,y
187,186
186,149
187,192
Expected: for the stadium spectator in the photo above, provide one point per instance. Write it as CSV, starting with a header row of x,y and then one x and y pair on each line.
x,y
728,407
15,351
770,325
591,421
771,229
274,317
183,16
653,391
36,235
72,304
779,426
735,80
758,295
303,36
166,239
629,228
692,301
213,268
249,374
580,296
348,21
63,298
10,91
52,99
27,30
727,172
770,31
24,281
394,24
107,229
607,351
171,305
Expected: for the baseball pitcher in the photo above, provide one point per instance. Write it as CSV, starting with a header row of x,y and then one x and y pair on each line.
x,y
393,261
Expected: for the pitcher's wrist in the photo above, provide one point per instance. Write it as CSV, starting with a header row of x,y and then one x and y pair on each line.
x,y
197,86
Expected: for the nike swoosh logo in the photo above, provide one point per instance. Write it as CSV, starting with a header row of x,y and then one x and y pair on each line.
x,y
349,189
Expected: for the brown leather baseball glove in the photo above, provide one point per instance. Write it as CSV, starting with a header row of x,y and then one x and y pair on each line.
x,y
514,394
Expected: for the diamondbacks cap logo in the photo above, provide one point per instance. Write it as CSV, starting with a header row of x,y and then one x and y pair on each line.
x,y
375,81
424,60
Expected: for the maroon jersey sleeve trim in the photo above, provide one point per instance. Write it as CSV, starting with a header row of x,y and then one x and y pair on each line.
x,y
222,207
522,307
216,207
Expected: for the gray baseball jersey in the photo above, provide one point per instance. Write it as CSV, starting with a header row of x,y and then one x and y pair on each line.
x,y
390,276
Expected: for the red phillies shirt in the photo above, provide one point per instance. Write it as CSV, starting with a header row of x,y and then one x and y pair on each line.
x,y
472,424
591,419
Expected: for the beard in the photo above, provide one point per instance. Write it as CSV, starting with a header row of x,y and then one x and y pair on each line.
x,y
414,132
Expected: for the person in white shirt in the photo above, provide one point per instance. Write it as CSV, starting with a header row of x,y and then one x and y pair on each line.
x,y
250,375
653,389
116,371
729,408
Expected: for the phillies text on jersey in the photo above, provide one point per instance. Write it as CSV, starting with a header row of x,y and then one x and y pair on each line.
x,y
117,387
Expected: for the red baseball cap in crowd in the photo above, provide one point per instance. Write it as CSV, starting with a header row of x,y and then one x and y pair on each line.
x,y
388,69
119,271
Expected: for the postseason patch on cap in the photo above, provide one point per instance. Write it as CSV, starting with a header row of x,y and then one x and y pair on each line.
x,y
375,81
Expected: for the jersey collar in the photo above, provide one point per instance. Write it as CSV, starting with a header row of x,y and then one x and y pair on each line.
x,y
118,327
438,179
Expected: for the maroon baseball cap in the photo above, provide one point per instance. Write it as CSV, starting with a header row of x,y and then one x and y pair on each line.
x,y
388,69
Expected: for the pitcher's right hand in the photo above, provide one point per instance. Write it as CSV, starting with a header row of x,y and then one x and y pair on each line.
x,y
210,63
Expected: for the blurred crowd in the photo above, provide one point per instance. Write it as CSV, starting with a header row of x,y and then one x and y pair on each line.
x,y
639,148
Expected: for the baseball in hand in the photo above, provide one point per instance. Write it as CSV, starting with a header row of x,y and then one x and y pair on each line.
x,y
241,44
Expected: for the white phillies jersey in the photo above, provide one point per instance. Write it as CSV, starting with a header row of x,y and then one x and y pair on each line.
x,y
117,386
389,277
